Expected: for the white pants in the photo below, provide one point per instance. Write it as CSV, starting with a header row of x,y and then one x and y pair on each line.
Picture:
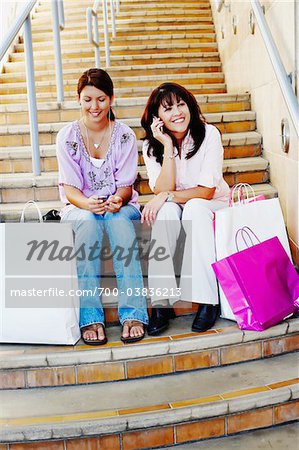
x,y
197,282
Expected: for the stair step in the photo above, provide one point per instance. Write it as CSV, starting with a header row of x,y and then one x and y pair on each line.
x,y
208,72
283,435
226,121
119,82
125,31
185,20
83,44
138,15
217,88
119,60
163,48
47,27
74,10
18,159
11,211
177,350
24,186
127,107
175,407
26,180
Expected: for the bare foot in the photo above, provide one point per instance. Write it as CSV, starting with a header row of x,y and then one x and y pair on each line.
x,y
94,332
133,329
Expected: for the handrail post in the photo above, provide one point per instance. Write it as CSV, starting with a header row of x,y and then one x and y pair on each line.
x,y
92,17
106,32
61,15
57,52
96,32
112,12
31,96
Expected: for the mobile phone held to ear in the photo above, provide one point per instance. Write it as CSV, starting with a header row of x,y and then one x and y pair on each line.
x,y
160,127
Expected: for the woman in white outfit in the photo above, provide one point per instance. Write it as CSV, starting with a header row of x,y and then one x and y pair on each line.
x,y
183,156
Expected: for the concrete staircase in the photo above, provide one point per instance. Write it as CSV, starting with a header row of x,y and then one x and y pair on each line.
x,y
154,43
179,387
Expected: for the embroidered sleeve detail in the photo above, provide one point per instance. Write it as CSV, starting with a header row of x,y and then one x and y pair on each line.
x,y
72,147
126,137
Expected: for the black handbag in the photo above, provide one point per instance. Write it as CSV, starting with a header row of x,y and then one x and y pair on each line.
x,y
52,215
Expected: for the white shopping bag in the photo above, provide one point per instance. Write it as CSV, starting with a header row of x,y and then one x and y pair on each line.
x,y
38,298
264,217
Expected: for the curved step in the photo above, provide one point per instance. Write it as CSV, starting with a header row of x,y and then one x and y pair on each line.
x,y
176,408
177,350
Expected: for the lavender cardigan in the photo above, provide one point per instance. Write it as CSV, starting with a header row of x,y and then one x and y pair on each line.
x,y
76,169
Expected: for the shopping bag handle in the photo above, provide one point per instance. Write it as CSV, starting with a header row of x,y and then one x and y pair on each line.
x,y
244,192
249,233
27,205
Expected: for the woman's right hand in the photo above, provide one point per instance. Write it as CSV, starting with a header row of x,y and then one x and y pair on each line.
x,y
95,205
157,130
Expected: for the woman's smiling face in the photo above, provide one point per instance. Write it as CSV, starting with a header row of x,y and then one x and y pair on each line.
x,y
176,116
95,104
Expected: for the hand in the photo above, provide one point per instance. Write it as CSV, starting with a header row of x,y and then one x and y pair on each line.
x,y
113,203
95,205
152,208
157,130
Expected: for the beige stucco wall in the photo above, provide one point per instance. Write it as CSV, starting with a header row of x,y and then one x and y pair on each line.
x,y
247,68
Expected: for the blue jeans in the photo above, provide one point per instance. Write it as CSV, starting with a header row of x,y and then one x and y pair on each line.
x,y
89,229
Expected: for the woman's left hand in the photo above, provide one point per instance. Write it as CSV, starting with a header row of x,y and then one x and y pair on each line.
x,y
152,208
114,203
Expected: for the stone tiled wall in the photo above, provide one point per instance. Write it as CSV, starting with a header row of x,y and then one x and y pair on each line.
x,y
247,68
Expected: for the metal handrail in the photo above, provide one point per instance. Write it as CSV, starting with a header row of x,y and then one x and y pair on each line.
x,y
93,28
280,72
16,27
58,25
24,19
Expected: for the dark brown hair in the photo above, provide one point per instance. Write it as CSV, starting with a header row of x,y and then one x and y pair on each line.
x,y
100,79
164,95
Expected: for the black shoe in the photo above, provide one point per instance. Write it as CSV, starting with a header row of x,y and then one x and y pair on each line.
x,y
205,318
159,320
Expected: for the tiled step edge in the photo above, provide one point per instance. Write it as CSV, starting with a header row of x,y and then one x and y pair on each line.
x,y
83,364
166,424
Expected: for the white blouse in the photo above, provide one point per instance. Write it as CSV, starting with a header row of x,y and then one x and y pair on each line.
x,y
203,169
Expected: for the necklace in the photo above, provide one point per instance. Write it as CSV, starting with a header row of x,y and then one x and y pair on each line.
x,y
96,145
91,173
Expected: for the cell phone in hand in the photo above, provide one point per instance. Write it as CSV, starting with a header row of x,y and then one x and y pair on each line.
x,y
102,197
161,127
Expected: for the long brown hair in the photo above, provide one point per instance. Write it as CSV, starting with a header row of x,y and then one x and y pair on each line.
x,y
164,95
100,79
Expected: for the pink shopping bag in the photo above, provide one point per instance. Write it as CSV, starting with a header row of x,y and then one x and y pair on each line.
x,y
260,283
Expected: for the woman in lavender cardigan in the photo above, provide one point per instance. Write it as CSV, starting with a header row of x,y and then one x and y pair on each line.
x,y
97,157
